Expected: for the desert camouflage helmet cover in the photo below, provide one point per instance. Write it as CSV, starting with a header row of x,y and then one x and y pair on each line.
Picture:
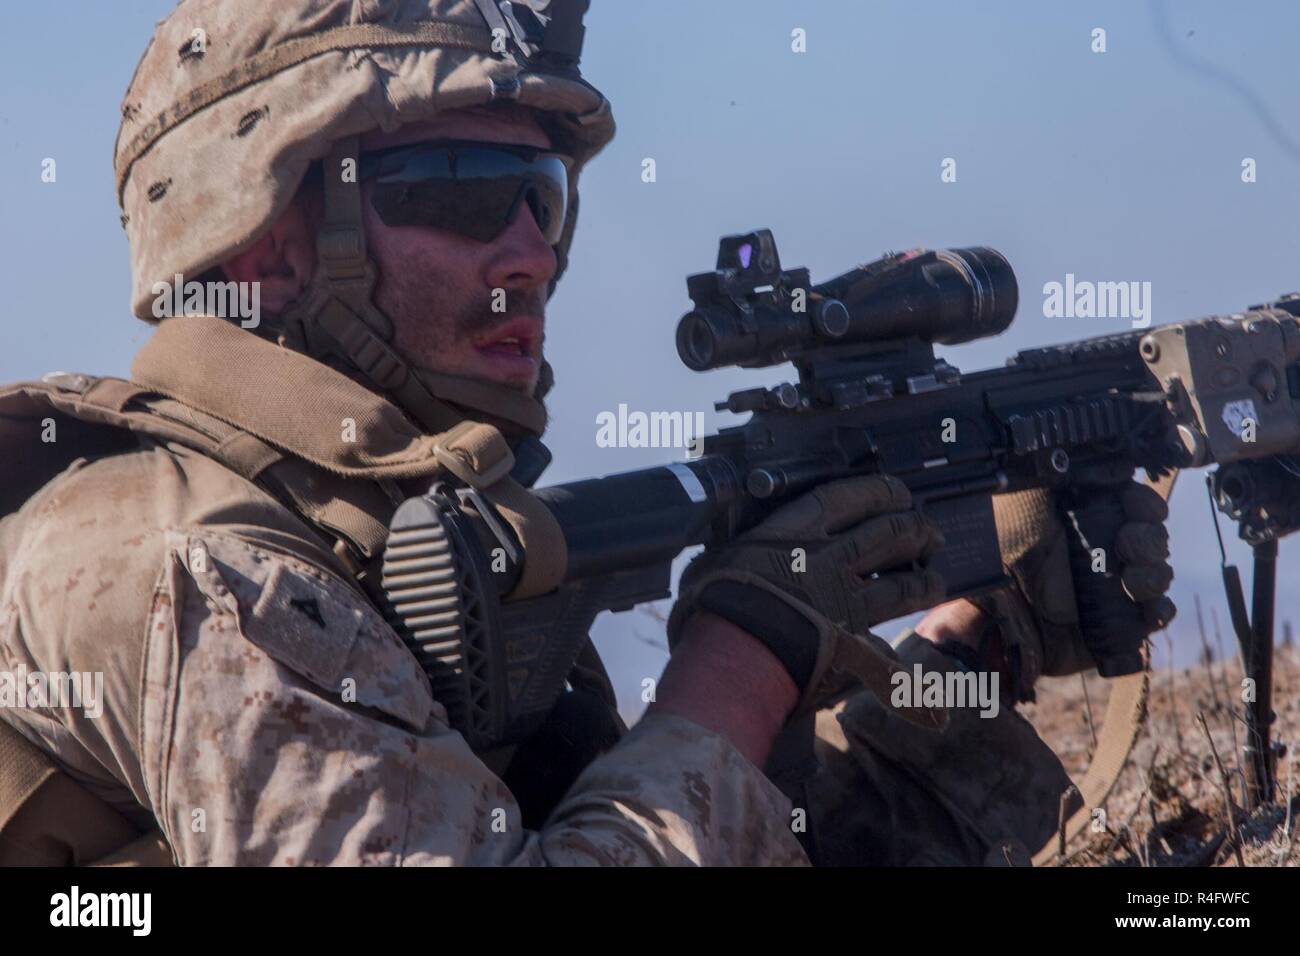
x,y
234,99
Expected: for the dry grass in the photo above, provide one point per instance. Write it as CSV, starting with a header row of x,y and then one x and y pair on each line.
x,y
1173,805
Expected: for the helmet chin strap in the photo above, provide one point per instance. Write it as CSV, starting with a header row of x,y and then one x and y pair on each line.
x,y
335,317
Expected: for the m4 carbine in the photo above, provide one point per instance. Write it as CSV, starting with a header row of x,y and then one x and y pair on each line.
x,y
870,397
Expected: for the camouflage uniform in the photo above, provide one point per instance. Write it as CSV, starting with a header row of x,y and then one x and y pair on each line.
x,y
225,718
257,707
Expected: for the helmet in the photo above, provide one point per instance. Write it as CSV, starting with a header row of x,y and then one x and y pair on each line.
x,y
234,100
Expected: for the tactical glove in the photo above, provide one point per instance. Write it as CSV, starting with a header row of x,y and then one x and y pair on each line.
x,y
1036,619
812,578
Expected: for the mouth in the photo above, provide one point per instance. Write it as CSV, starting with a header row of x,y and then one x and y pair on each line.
x,y
512,351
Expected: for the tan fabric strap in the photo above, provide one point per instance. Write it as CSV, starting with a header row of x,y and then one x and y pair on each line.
x,y
343,255
475,453
507,404
478,455
247,455
113,394
260,387
343,266
356,511
432,34
546,553
89,401
1126,711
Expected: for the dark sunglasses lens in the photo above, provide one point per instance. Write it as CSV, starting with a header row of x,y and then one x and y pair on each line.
x,y
475,192
474,211
546,199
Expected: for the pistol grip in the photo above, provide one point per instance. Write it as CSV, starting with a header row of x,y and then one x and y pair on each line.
x,y
1112,624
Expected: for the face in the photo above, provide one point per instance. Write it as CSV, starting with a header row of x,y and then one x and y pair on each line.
x,y
437,287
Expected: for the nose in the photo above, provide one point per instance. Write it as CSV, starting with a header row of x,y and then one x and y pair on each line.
x,y
521,258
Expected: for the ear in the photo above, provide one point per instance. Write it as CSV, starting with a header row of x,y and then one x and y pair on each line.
x,y
282,259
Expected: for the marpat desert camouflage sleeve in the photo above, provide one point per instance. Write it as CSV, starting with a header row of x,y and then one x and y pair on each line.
x,y
284,723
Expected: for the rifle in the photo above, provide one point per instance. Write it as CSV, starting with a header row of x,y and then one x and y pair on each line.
x,y
871,397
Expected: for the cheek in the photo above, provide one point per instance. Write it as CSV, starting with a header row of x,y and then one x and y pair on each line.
x,y
408,251
426,276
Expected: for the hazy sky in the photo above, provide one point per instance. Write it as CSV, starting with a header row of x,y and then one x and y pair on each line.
x,y
1115,166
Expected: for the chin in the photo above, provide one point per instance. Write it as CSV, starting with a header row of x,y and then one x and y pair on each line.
x,y
523,386
508,372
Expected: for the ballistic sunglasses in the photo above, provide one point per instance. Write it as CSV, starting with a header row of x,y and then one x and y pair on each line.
x,y
471,188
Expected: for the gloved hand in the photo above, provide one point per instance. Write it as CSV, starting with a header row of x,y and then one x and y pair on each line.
x,y
1036,620
811,579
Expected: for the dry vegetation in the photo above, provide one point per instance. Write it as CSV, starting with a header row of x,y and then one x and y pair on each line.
x,y
1170,807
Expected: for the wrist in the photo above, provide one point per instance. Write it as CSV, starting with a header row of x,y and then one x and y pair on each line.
x,y
725,680
767,616
960,622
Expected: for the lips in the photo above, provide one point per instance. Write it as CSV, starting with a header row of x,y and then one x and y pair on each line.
x,y
517,337
512,350
511,345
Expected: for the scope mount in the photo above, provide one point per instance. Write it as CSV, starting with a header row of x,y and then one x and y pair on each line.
x,y
864,336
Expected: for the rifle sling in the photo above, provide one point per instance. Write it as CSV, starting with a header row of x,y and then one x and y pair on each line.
x,y
1125,713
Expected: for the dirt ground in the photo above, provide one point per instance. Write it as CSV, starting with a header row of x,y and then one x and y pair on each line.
x,y
1169,806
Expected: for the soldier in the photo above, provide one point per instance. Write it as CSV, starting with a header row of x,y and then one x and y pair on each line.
x,y
207,534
